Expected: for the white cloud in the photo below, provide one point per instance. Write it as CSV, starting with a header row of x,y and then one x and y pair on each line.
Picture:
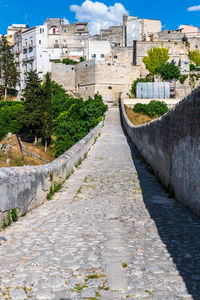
x,y
98,15
65,21
194,8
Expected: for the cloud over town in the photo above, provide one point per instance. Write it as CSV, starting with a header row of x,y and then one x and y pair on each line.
x,y
99,15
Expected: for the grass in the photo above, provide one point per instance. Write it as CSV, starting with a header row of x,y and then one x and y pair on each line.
x,y
149,292
55,187
124,265
137,118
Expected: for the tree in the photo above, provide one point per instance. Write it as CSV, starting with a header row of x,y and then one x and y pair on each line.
x,y
33,105
134,85
195,57
169,71
8,69
47,110
155,59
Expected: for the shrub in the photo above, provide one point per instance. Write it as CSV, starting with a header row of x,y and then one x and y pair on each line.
x,y
76,119
153,109
192,67
169,71
134,85
182,78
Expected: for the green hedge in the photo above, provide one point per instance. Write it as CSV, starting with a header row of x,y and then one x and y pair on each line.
x,y
153,109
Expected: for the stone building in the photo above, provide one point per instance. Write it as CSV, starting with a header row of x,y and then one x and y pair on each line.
x,y
114,35
66,40
90,77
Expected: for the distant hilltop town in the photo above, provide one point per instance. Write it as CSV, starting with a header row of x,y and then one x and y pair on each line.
x,y
109,62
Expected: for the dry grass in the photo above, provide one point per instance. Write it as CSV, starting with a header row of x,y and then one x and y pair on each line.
x,y
137,118
14,157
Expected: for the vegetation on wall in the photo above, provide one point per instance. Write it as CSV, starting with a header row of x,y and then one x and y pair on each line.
x,y
68,61
155,59
182,78
152,109
134,84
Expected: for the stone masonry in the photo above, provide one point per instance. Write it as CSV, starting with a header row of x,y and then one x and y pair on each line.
x,y
111,233
171,145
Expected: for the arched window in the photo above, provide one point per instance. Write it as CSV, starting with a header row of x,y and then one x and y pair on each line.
x,y
53,30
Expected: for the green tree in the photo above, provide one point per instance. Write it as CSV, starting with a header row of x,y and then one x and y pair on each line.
x,y
155,59
47,110
8,69
195,57
169,71
134,85
33,105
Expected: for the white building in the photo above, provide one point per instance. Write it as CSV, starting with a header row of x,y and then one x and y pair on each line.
x,y
98,49
139,29
35,54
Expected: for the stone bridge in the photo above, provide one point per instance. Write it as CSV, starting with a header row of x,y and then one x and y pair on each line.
x,y
111,232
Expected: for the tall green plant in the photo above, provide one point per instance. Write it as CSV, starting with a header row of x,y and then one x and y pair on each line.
x,y
195,57
8,68
33,105
47,110
155,59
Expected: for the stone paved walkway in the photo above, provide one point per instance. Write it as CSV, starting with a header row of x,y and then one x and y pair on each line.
x,y
110,233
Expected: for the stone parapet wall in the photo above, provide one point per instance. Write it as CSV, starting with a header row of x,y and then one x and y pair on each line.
x,y
25,188
171,145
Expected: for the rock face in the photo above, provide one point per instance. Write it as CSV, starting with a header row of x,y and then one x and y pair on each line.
x,y
171,145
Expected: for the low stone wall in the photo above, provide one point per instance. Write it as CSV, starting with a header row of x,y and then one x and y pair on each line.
x,y
171,145
24,188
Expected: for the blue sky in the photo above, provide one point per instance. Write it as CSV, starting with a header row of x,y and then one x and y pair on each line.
x,y
172,13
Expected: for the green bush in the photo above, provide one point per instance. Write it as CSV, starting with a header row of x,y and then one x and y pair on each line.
x,y
134,85
192,67
153,109
76,119
182,78
169,71
10,117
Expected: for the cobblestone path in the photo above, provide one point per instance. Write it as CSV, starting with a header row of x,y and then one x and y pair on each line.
x,y
110,233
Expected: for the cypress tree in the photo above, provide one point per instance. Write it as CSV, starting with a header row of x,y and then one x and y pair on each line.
x,y
47,112
33,105
8,69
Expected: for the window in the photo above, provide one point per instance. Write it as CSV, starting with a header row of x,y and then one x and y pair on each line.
x,y
40,42
64,30
93,55
115,56
102,55
196,47
110,87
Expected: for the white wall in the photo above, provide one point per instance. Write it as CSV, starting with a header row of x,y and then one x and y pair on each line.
x,y
98,49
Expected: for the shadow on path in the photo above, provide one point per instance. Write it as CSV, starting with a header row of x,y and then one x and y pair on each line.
x,y
178,227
